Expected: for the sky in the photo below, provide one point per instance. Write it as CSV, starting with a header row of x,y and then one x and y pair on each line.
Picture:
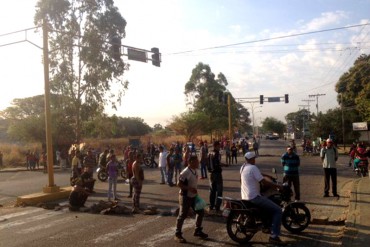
x,y
263,47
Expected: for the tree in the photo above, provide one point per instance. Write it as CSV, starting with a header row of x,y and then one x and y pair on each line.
x,y
353,87
207,94
26,119
81,63
273,125
189,124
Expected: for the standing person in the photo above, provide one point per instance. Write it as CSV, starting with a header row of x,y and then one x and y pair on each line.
x,y
291,163
186,155
251,178
162,163
255,146
153,164
137,182
216,181
170,166
103,158
89,162
188,182
76,167
63,159
234,154
178,162
57,156
203,159
227,150
112,170
329,156
130,162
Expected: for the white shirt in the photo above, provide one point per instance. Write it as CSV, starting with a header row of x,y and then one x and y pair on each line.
x,y
192,179
250,181
162,159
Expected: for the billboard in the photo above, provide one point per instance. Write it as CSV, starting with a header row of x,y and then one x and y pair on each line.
x,y
359,126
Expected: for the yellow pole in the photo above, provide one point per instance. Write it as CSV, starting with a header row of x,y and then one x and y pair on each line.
x,y
49,146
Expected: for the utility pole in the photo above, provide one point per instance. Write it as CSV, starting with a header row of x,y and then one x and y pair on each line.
x,y
317,100
308,103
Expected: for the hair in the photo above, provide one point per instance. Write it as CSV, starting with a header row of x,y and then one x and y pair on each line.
x,y
192,158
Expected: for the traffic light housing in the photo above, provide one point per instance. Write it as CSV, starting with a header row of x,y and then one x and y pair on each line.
x,y
261,99
286,98
156,57
116,47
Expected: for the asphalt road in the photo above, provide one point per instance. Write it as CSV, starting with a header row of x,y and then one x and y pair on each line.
x,y
31,226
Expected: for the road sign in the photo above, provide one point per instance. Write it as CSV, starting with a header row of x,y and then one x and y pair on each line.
x,y
273,99
136,55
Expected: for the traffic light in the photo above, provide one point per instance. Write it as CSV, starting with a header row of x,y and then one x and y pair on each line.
x,y
116,47
286,98
156,57
261,99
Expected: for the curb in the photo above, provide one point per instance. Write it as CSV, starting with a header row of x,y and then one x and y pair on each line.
x,y
34,199
350,231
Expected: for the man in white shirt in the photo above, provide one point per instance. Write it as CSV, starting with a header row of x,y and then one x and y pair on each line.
x,y
251,178
162,163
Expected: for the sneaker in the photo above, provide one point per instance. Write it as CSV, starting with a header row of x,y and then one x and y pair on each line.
x,y
179,238
201,234
277,241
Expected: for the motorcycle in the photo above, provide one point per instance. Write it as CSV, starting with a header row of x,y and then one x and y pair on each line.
x,y
103,174
362,168
244,219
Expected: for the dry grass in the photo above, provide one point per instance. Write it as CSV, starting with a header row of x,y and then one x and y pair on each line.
x,y
14,154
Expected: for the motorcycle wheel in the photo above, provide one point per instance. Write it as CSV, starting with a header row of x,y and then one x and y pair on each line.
x,y
102,176
296,218
363,172
241,227
147,162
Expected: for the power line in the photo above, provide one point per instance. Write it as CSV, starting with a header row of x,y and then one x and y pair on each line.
x,y
273,38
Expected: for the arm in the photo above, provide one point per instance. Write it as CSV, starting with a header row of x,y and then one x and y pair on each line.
x,y
184,187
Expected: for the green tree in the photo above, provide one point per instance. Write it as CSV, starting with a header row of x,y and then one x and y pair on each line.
x,y
81,63
353,87
273,125
207,94
189,124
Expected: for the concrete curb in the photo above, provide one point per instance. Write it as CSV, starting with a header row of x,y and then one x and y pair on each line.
x,y
350,231
34,199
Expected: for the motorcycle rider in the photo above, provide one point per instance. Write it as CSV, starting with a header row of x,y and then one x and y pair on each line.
x,y
251,179
358,155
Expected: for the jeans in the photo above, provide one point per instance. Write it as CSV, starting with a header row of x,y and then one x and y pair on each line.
x,y
269,206
112,182
170,175
293,179
163,174
216,188
203,169
185,204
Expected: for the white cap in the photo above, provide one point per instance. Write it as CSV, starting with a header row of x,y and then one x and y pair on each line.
x,y
250,155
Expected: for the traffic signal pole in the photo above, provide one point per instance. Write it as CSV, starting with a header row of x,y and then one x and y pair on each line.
x,y
51,188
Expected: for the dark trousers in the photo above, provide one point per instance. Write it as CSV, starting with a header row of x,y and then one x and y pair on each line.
x,y
216,188
185,204
330,173
294,179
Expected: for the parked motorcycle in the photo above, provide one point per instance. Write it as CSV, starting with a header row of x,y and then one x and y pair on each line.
x,y
244,219
103,174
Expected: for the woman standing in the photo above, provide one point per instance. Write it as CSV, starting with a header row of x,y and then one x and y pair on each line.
x,y
112,168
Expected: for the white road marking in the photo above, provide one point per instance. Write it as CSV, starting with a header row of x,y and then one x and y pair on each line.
x,y
29,211
45,226
125,230
29,220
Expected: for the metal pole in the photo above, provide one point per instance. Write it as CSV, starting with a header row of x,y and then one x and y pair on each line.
x,y
49,147
341,105
229,111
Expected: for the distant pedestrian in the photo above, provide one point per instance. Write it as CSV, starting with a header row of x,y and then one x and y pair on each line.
x,y
90,162
188,181
255,146
216,181
130,162
234,154
291,163
162,163
170,166
203,159
112,169
186,155
178,162
329,157
137,182
227,149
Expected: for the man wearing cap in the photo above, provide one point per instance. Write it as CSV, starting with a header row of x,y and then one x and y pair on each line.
x,y
329,156
291,162
251,178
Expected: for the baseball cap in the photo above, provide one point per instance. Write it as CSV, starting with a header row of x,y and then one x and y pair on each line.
x,y
250,155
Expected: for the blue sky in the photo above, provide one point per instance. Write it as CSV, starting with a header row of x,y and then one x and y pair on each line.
x,y
299,65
